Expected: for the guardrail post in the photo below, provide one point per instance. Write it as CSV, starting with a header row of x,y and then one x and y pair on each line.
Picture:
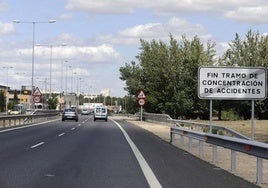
x,y
171,136
190,144
233,161
259,170
182,141
201,149
4,123
214,157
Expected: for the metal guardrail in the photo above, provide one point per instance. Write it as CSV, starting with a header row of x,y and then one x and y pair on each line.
x,y
222,137
202,127
19,120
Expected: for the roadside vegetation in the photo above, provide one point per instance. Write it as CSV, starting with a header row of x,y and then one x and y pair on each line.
x,y
244,127
168,73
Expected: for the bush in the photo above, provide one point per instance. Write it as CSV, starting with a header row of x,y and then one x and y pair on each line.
x,y
230,115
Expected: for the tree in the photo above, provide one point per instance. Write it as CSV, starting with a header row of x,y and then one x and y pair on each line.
x,y
16,98
131,73
252,51
249,52
2,100
168,74
52,102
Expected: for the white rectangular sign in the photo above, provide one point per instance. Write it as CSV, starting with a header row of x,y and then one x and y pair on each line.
x,y
239,83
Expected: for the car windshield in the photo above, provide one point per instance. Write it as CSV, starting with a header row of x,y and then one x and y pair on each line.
x,y
101,110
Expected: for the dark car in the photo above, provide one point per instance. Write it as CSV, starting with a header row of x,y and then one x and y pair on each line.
x,y
69,114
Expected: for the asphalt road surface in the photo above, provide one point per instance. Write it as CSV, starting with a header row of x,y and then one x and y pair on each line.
x,y
101,154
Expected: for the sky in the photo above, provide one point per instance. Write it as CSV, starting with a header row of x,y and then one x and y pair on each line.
x,y
91,39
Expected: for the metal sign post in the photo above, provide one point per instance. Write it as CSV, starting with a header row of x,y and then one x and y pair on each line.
x,y
210,116
141,101
141,112
252,120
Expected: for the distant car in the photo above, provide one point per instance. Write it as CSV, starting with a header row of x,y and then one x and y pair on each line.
x,y
101,112
85,112
14,112
69,114
17,109
30,112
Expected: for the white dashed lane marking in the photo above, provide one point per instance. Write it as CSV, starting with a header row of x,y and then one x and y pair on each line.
x,y
61,134
36,145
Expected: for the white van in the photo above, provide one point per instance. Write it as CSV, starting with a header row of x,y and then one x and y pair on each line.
x,y
101,112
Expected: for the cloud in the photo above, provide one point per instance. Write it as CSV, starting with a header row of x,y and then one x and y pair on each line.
x,y
66,16
175,7
158,31
244,11
104,6
6,28
254,14
3,6
221,48
101,53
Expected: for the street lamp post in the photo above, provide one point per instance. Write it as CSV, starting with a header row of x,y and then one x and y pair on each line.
x,y
34,23
70,67
20,77
50,66
73,73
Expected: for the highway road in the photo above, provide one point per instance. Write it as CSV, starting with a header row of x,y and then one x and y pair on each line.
x,y
101,154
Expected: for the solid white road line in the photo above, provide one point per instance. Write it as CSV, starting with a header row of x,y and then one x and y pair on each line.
x,y
36,145
73,128
147,171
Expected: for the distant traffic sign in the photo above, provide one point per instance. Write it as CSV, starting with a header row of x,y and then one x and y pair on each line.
x,y
141,95
37,92
141,102
36,99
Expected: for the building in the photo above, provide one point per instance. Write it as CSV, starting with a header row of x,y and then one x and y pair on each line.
x,y
23,95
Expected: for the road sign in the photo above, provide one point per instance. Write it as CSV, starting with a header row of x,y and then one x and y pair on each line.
x,y
37,92
141,95
36,99
141,102
241,83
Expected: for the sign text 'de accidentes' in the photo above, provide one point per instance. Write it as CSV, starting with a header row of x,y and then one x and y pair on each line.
x,y
232,83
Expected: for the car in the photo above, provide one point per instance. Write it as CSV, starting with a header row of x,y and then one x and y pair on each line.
x,y
69,114
85,112
17,109
14,112
101,112
30,111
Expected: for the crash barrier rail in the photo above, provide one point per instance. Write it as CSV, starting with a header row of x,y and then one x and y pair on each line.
x,y
203,127
18,120
220,136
